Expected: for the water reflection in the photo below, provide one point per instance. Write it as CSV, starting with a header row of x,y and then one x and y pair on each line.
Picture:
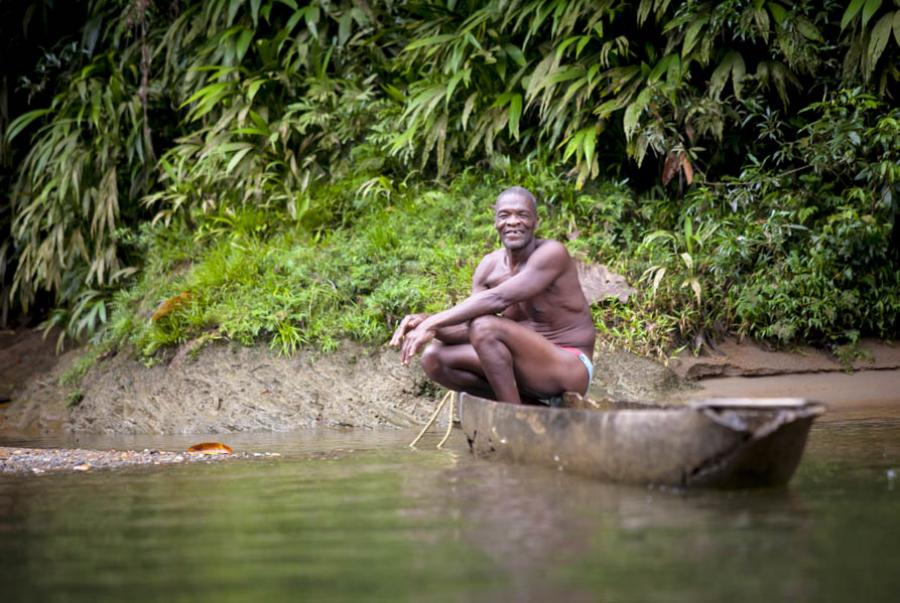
x,y
371,519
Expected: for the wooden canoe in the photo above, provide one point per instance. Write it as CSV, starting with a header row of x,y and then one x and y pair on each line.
x,y
711,443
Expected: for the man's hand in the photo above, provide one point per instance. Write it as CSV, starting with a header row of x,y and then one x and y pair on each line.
x,y
414,341
409,322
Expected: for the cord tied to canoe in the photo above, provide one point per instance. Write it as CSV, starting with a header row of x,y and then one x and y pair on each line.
x,y
450,396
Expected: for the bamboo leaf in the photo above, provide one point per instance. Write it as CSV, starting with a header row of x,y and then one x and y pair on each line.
x,y
243,43
233,7
633,112
897,27
881,33
467,109
869,11
236,159
590,143
22,121
852,10
429,41
515,112
692,34
657,279
695,285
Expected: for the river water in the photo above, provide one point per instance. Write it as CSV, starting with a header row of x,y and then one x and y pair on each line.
x,y
357,515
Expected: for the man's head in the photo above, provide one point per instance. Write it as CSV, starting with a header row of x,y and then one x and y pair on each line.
x,y
515,217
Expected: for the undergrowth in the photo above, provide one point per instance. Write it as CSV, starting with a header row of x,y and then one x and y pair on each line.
x,y
775,270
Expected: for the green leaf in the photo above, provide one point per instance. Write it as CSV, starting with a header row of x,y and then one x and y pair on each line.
x,y
881,33
515,54
692,34
344,25
22,121
778,12
233,7
590,144
852,10
515,112
467,108
808,30
633,112
732,63
429,41
660,68
897,27
253,88
254,11
236,159
869,11
574,144
243,43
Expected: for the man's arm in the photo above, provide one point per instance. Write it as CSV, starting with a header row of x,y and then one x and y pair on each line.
x,y
453,334
456,334
546,265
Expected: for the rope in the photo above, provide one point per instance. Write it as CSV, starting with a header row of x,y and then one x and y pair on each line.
x,y
451,396
449,421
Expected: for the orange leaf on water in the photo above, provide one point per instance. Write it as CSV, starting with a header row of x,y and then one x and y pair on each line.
x,y
210,448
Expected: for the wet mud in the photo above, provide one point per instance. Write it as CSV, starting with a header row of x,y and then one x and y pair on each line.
x,y
227,388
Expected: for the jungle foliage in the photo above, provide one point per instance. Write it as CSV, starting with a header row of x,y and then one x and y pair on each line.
x,y
310,171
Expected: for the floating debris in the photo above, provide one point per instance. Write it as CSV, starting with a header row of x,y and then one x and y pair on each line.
x,y
210,448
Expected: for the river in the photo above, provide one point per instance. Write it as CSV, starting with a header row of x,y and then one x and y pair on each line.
x,y
357,515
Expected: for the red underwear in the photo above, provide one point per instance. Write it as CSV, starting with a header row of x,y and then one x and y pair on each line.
x,y
574,351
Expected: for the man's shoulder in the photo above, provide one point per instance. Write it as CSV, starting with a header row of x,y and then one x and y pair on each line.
x,y
551,249
492,257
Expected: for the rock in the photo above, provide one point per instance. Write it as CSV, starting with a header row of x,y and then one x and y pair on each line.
x,y
598,283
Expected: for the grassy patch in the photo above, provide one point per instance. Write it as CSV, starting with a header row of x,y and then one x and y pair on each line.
x,y
776,271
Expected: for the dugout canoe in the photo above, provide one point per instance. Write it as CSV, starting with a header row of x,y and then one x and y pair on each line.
x,y
711,443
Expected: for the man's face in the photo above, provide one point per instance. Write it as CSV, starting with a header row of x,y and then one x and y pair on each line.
x,y
515,220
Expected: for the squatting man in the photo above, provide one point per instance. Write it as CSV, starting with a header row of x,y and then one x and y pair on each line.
x,y
525,333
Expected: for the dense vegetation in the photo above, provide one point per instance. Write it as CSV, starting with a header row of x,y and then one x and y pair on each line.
x,y
303,172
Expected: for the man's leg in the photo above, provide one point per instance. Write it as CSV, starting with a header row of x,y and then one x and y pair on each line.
x,y
456,367
514,359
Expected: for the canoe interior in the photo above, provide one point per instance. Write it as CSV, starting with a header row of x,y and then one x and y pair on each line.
x,y
713,443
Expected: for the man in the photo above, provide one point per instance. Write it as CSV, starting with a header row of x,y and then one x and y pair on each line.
x,y
526,331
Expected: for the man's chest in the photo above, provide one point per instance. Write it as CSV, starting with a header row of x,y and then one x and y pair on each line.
x,y
536,308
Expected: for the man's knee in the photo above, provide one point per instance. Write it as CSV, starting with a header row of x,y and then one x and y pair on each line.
x,y
432,359
484,328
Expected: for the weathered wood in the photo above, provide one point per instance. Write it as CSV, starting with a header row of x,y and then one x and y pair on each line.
x,y
733,443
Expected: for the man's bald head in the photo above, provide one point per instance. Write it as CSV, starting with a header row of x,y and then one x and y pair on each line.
x,y
520,191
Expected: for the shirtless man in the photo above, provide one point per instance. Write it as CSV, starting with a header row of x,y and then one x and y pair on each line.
x,y
526,331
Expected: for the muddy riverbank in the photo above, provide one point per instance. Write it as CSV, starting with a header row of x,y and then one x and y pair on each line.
x,y
226,388
38,461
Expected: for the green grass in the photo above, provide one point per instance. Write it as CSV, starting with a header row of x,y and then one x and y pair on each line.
x,y
702,270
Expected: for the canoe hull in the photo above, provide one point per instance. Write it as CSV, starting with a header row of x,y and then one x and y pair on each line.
x,y
702,445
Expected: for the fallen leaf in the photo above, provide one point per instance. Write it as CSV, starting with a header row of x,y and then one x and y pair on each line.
x,y
170,305
210,448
